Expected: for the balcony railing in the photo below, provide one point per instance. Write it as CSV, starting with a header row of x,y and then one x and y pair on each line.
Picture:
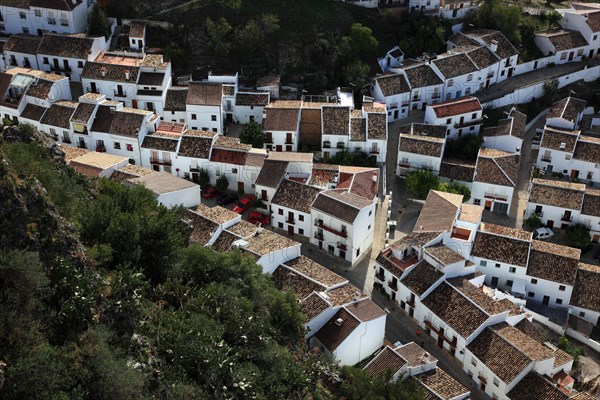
x,y
52,21
374,151
318,236
393,285
320,224
467,124
410,301
289,141
157,160
440,333
120,94
566,218
326,145
14,63
101,149
66,140
496,196
546,159
380,276
342,246
290,221
64,68
81,146
64,22
540,214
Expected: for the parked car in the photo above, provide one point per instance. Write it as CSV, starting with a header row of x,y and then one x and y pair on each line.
x,y
543,233
227,198
254,217
244,204
209,192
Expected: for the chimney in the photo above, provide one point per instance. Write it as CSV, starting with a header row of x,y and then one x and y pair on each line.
x,y
339,322
113,110
127,74
103,71
494,46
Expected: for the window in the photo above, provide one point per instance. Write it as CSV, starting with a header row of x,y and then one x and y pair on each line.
x,y
234,170
534,281
558,301
450,82
38,13
213,117
370,212
562,288
129,147
448,121
79,64
214,129
595,37
497,265
280,211
482,263
474,116
22,15
369,228
494,396
357,252
496,381
473,361
581,314
512,270
45,61
301,217
509,283
563,56
579,52
470,374
117,145
25,30
477,202
193,116
468,90
331,248
531,294
301,231
448,96
53,133
469,77
280,225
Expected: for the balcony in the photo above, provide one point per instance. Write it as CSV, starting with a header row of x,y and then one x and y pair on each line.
x,y
326,145
157,160
393,285
436,96
467,124
51,21
482,379
13,62
404,164
120,94
289,141
566,218
410,300
320,224
342,246
290,221
374,152
64,68
380,276
318,236
440,333
81,146
405,103
64,22
101,149
540,214
546,159
496,196
341,146
66,140
27,64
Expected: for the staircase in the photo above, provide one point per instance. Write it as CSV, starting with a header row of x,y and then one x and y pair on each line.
x,y
586,123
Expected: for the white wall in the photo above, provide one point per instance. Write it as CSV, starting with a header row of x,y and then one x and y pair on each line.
x,y
74,21
280,143
500,194
204,117
362,342
188,197
271,261
508,143
552,213
281,220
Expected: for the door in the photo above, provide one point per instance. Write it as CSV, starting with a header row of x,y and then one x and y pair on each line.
x,y
393,296
134,103
119,90
395,114
546,300
535,64
195,177
501,207
263,195
411,311
440,341
93,87
591,53
278,148
290,230
574,173
596,238
494,281
510,72
343,255
482,386
229,117
571,54
240,187
488,205
550,224
56,64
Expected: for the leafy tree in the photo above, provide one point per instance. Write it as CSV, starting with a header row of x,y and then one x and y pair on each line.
x,y
419,183
493,14
356,159
578,235
533,222
203,177
359,385
217,32
98,23
575,351
356,73
553,18
359,42
252,134
247,39
222,183
457,188
465,147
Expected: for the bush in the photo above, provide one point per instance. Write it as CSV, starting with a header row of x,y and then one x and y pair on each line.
x,y
419,183
578,235
355,159
457,188
222,183
203,178
252,134
465,147
532,223
565,345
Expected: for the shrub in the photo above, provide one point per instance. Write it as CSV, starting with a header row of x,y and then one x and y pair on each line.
x,y
533,222
419,183
457,188
222,183
578,235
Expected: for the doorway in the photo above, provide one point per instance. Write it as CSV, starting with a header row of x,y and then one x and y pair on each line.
x,y
546,300
240,187
290,230
494,281
195,177
488,205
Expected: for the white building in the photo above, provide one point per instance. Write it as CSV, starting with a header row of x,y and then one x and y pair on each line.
x,y
20,51
394,91
566,114
92,164
454,9
204,106
37,17
421,146
291,207
174,109
169,190
583,18
159,149
137,35
67,54
499,45
269,83
461,116
426,85
495,179
508,135
562,46
249,107
282,125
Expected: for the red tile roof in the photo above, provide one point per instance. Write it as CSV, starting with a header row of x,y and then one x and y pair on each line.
x,y
456,107
337,329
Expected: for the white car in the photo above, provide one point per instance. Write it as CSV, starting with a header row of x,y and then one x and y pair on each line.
x,y
543,233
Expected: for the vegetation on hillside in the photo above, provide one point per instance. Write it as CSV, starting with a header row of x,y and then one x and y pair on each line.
x,y
102,297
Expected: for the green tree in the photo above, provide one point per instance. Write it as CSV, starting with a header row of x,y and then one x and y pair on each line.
x,y
356,73
493,14
420,182
203,177
465,147
222,183
575,351
578,235
533,222
97,22
457,188
247,39
553,18
355,159
358,43
252,134
217,33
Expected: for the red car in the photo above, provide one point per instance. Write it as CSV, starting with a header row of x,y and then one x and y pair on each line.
x,y
244,204
209,192
254,217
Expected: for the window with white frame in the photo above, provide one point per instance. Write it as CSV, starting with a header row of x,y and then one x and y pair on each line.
x,y
469,77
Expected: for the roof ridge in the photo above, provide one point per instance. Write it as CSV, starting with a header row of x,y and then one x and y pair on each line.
x,y
507,340
502,169
304,275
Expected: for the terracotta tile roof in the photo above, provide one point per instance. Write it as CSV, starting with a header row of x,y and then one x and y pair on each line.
x,y
63,5
269,80
585,290
286,279
393,84
228,156
217,214
415,239
386,360
112,72
231,143
137,29
333,333
568,108
252,99
224,241
500,248
59,114
40,89
591,203
364,182
485,302
584,396
358,129
482,57
513,125
196,144
296,196
272,173
459,39
438,212
457,170
444,254
505,48
414,354
160,143
497,167
455,65
291,156
322,174
313,305
83,113
243,229
164,182
553,139
460,106
175,100
151,78
553,262
281,119
204,94
264,242
341,205
442,385
285,104
202,229
424,130
22,43
534,387
422,76
587,149
365,310
470,213
345,294
315,271
505,231
127,122
427,146
33,112
421,278
336,120
377,125
255,158
71,46
71,152
529,346
531,330
557,193
499,355
561,358
454,309
563,39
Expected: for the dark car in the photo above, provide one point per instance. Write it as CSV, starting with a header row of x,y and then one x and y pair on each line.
x,y
209,192
254,217
244,204
227,198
